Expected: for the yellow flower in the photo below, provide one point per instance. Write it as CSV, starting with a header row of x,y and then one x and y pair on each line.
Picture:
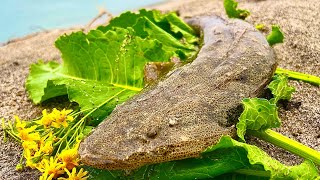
x,y
41,166
69,157
46,142
30,145
46,119
30,163
61,118
51,167
46,147
45,176
25,135
82,175
29,159
56,118
20,124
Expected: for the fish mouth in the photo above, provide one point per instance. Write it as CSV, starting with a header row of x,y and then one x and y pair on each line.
x,y
100,161
104,162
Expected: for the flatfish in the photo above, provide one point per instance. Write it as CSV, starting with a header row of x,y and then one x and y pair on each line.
x,y
192,107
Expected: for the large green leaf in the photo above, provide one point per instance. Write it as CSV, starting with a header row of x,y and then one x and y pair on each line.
x,y
168,28
99,70
105,67
228,158
210,165
169,22
259,161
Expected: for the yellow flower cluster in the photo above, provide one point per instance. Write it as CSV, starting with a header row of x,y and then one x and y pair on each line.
x,y
63,163
56,118
34,146
25,133
41,145
82,175
69,157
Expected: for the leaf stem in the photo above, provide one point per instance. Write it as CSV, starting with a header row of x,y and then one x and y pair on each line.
x,y
14,136
69,130
4,130
126,87
252,172
79,123
76,132
299,76
288,144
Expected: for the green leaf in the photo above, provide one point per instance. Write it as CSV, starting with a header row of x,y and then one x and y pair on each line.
x,y
260,161
87,130
231,9
238,176
99,70
280,88
258,114
39,84
210,165
226,157
168,28
169,22
100,174
105,67
276,36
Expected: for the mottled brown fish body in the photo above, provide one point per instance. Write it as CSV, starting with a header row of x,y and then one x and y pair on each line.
x,y
190,109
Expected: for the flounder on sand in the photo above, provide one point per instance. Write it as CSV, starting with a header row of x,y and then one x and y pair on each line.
x,y
192,107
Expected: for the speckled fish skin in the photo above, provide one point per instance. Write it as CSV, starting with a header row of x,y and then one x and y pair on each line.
x,y
191,108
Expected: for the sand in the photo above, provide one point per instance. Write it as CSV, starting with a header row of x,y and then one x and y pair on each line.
x,y
299,19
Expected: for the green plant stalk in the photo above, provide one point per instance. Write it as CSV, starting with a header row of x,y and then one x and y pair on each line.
x,y
287,144
81,121
299,76
9,131
76,132
251,172
4,130
14,136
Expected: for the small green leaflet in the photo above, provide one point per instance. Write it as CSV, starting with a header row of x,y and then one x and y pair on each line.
x,y
231,9
262,114
280,88
261,27
105,67
227,156
258,114
276,36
